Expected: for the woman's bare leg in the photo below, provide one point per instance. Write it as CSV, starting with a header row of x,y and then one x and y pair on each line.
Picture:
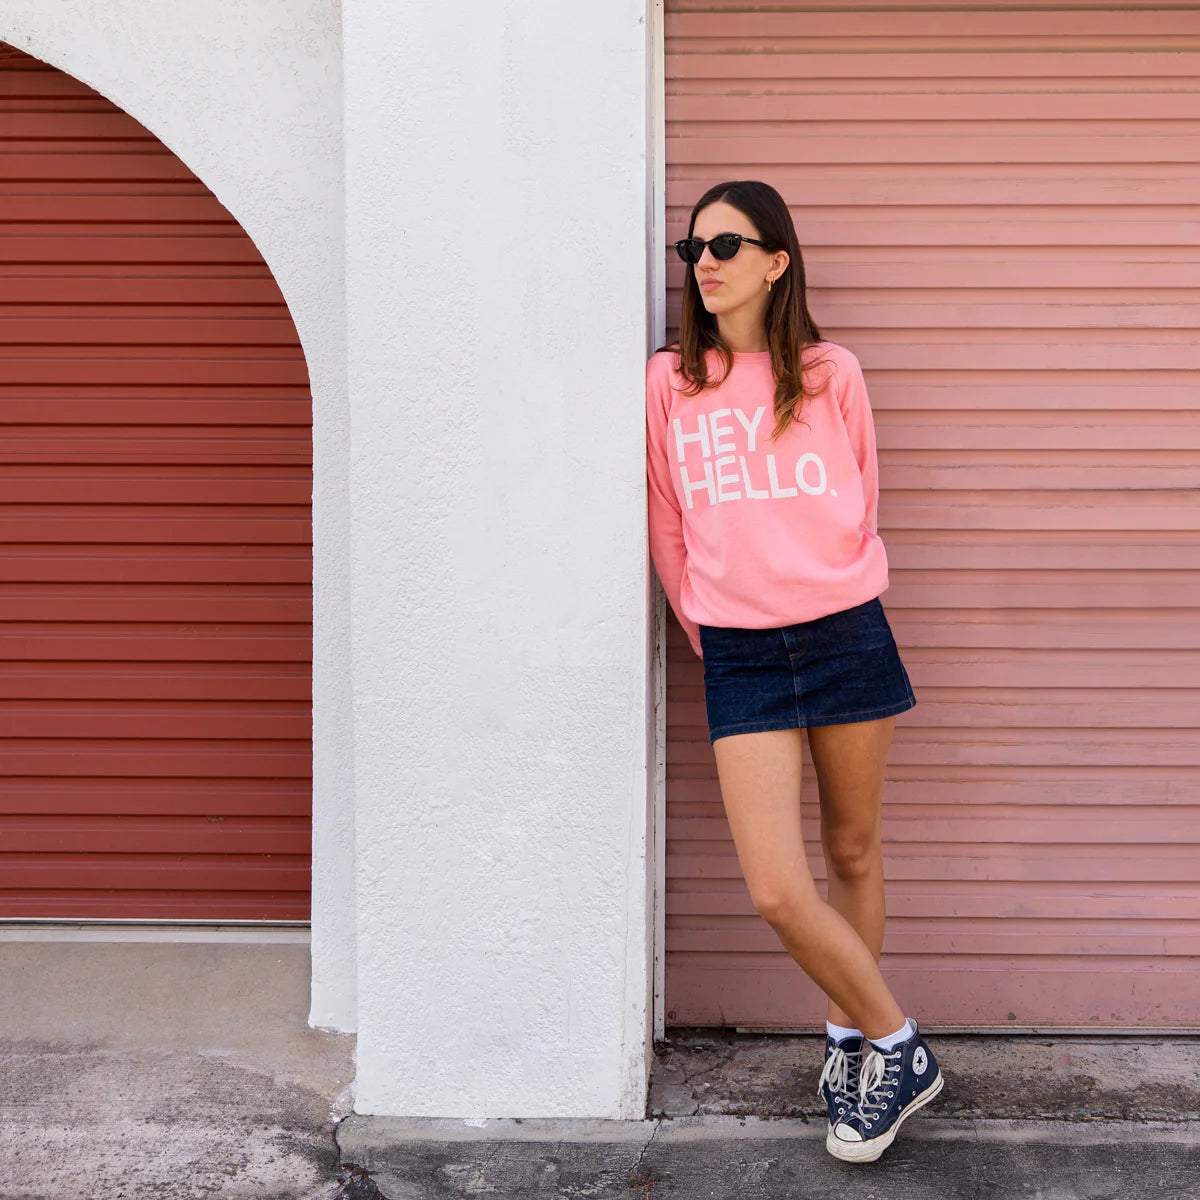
x,y
760,785
850,762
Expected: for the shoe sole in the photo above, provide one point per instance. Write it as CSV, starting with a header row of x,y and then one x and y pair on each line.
x,y
860,1152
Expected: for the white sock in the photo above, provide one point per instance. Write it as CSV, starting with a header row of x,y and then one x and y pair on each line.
x,y
894,1039
839,1033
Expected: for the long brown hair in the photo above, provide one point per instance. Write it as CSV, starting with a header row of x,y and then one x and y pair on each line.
x,y
790,327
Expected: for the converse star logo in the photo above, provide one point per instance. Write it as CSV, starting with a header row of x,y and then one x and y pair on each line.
x,y
920,1061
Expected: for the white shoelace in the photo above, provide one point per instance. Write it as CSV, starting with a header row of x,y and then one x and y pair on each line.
x,y
879,1072
837,1072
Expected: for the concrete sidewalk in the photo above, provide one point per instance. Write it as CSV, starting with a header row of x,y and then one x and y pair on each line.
x,y
131,1071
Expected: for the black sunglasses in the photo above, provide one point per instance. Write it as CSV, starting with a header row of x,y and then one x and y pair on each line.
x,y
724,246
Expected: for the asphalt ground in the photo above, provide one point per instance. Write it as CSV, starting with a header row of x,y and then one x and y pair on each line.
x,y
731,1158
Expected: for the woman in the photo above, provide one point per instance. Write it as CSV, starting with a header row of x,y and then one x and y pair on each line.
x,y
762,504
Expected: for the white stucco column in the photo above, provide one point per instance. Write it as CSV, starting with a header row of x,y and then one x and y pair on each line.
x,y
496,183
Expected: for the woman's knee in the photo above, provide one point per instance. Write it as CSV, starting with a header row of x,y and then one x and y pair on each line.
x,y
781,902
852,853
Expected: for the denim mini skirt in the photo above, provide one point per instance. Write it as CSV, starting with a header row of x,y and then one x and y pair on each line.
x,y
832,671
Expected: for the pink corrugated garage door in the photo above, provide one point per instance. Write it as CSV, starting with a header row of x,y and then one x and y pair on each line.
x,y
155,556
998,206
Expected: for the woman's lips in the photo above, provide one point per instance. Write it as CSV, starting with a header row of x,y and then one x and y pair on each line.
x,y
710,285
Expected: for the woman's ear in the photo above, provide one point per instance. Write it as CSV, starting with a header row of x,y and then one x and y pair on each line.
x,y
779,263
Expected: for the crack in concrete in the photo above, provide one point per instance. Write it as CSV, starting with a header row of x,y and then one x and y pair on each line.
x,y
724,1059
480,1175
636,1180
675,1062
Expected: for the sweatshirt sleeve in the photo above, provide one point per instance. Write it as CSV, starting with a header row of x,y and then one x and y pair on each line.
x,y
665,518
856,412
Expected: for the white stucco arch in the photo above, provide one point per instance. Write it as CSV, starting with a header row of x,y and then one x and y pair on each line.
x,y
481,656
250,99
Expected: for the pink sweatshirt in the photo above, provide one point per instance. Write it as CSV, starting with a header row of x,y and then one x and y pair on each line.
x,y
753,533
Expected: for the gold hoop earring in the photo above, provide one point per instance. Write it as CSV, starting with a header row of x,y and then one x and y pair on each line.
x,y
769,282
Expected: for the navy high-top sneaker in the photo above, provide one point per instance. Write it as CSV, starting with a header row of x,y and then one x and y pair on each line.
x,y
838,1085
892,1085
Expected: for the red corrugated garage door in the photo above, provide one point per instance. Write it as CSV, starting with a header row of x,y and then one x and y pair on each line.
x,y
998,206
155,566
